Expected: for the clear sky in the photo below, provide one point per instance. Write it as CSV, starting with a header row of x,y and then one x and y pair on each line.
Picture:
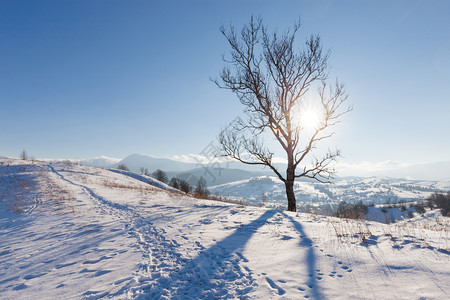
x,y
80,79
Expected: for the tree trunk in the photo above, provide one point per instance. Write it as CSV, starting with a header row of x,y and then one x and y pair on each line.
x,y
292,205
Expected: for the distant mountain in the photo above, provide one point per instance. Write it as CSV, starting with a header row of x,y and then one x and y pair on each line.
x,y
101,161
135,162
430,171
417,171
225,172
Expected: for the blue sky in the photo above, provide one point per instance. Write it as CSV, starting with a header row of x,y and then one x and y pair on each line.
x,y
80,79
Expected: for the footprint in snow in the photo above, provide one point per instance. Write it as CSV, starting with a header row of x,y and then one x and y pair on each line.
x,y
101,273
94,261
122,280
59,266
32,276
275,286
20,287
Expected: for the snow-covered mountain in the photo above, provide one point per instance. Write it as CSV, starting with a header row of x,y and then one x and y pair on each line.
x,y
136,161
100,161
271,190
77,232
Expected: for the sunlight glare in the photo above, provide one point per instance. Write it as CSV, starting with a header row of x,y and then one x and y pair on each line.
x,y
310,118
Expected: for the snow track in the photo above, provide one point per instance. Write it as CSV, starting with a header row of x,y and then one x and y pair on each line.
x,y
155,260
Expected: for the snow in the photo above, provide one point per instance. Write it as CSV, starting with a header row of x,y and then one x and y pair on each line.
x,y
78,232
369,190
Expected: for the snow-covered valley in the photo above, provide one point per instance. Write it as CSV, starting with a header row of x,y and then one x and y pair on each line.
x,y
79,232
270,191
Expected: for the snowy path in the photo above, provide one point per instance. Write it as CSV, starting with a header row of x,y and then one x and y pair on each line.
x,y
87,233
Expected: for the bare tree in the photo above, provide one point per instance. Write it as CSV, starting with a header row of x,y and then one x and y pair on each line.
x,y
24,155
272,80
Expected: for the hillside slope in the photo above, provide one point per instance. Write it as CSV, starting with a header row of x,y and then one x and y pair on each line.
x,y
74,232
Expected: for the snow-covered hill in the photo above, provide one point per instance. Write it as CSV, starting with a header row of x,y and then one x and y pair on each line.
x,y
78,232
271,191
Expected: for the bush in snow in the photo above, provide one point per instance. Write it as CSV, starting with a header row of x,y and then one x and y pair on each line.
x,y
201,191
160,175
144,171
441,201
351,210
420,208
123,167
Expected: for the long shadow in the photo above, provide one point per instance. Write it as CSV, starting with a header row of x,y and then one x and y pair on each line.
x,y
306,242
214,273
18,193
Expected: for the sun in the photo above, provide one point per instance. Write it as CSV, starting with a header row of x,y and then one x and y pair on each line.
x,y
310,118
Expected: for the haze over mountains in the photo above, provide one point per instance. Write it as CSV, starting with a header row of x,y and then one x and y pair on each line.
x,y
385,182
216,172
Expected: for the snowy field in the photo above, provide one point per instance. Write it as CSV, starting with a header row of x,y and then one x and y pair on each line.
x,y
77,232
368,190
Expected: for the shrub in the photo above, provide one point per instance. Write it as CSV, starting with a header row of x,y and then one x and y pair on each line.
x,y
351,210
441,201
201,191
144,171
420,208
123,167
410,214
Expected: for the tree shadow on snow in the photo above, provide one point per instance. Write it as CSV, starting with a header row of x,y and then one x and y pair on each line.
x,y
215,272
307,243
